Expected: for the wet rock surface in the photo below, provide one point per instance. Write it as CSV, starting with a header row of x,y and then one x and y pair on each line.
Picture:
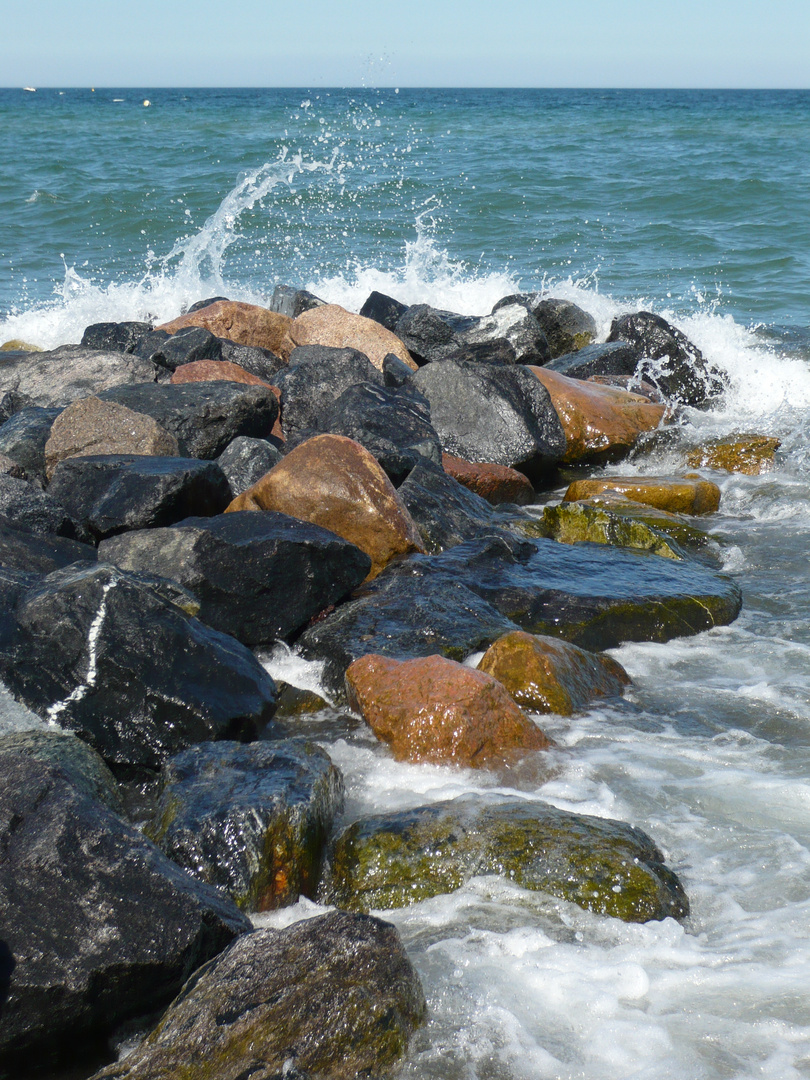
x,y
34,554
63,375
579,522
495,483
29,509
246,460
675,494
23,438
244,324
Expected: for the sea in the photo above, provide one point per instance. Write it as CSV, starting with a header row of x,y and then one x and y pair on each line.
x,y
135,203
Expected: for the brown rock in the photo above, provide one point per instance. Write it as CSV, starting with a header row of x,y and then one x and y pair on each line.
x,y
334,482
546,674
495,483
677,494
434,709
600,422
215,371
749,454
332,325
91,426
246,324
631,383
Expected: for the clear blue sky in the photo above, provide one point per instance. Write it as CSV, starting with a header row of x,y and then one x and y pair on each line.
x,y
637,43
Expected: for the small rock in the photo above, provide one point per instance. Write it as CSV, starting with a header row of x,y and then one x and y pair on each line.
x,y
384,310
676,494
581,522
246,460
16,345
293,302
495,483
115,337
748,454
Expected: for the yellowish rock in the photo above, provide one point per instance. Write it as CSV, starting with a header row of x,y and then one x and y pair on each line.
x,y
677,494
15,345
749,454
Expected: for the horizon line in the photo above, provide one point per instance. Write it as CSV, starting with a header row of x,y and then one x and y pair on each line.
x,y
403,86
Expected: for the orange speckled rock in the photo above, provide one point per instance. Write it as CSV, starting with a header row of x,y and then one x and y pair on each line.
x,y
546,674
495,483
336,483
246,324
600,422
434,709
749,454
215,371
333,326
677,494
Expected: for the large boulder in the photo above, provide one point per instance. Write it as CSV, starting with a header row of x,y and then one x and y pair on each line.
x,y
258,576
567,327
330,998
30,509
676,494
191,344
205,416
41,554
62,375
332,325
24,436
516,327
751,455
383,309
99,651
334,482
396,859
252,820
115,493
493,413
437,710
115,337
614,358
97,926
547,675
245,324
316,376
80,763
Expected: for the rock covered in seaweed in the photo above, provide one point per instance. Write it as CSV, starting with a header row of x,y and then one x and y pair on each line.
x,y
675,494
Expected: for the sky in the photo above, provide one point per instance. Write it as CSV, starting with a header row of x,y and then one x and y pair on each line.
x,y
312,43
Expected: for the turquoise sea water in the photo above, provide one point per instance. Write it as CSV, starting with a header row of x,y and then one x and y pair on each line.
x,y
692,204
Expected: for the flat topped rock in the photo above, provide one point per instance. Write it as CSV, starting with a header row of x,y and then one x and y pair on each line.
x,y
676,494
748,454
58,377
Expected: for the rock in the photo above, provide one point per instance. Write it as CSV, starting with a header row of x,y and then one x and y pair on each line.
x,y
98,651
495,483
200,304
428,333
150,347
501,415
333,482
609,358
315,378
214,371
509,335
393,860
632,384
115,337
332,325
24,436
91,426
116,493
330,998
203,417
262,363
601,423
16,345
8,467
578,522
189,345
749,454
567,327
70,372
516,326
546,675
245,460
384,310
293,702
39,554
673,526
670,360
252,820
32,510
97,925
436,710
258,576
293,302
81,765
396,373
245,324
676,494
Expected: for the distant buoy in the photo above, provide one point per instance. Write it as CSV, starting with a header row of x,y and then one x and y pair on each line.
x,y
146,103
30,89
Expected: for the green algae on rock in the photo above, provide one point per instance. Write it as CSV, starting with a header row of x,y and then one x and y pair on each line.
x,y
608,867
575,522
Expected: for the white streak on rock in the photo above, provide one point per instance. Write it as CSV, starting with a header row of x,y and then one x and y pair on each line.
x,y
92,667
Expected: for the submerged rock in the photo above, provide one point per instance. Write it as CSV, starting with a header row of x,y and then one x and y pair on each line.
x,y
330,998
252,820
578,522
676,494
393,860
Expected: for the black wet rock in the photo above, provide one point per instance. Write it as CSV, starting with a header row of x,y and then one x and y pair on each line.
x,y
115,336
23,437
256,361
511,325
315,377
246,460
383,309
670,360
97,926
430,334
39,554
200,304
10,403
395,371
497,351
80,763
185,346
113,493
287,300
203,416
488,413
567,327
251,819
258,575
30,509
63,375
609,358
330,998
102,653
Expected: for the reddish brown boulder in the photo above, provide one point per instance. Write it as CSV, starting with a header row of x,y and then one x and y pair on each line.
x,y
246,324
549,675
495,483
92,426
332,325
434,709
334,482
600,422
677,494
215,371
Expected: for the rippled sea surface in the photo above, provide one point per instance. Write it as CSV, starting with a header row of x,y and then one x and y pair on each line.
x,y
691,204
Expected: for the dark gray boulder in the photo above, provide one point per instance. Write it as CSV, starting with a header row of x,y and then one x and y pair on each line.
x,y
80,763
96,925
71,372
113,493
23,438
493,414
198,305
185,346
115,336
252,820
287,300
330,998
315,377
99,651
258,575
514,326
383,309
395,371
567,327
246,460
610,358
259,362
30,509
39,554
203,416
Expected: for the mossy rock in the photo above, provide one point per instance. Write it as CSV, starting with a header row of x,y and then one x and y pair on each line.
x,y
293,701
16,345
575,522
748,454
608,867
676,527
